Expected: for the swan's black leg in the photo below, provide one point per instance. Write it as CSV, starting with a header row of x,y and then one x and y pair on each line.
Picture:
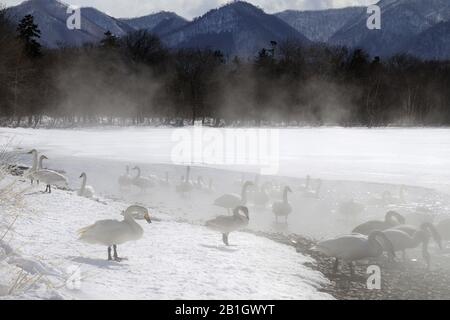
x,y
225,239
49,189
109,254
116,257
46,189
336,266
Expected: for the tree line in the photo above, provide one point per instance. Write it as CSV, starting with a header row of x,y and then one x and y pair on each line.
x,y
137,80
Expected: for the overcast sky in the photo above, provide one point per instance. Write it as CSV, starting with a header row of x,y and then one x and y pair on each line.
x,y
193,8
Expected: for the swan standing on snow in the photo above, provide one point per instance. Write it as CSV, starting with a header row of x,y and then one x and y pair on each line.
x,y
85,190
142,183
49,177
227,224
391,219
125,180
231,201
355,247
282,208
186,185
112,233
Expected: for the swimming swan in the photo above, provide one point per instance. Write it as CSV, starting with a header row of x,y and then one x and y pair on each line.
x,y
112,233
85,190
231,201
142,182
186,185
126,179
227,224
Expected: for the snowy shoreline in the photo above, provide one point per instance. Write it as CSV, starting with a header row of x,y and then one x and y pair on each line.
x,y
168,263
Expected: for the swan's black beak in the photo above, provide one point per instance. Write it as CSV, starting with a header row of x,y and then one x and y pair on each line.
x,y
147,218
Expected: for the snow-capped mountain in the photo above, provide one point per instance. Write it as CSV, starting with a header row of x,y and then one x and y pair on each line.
x,y
319,25
237,28
160,23
418,27
51,17
401,22
433,43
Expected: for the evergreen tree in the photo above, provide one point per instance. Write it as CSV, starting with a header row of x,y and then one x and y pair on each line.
x,y
29,33
109,41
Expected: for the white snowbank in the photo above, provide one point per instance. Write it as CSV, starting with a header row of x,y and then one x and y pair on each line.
x,y
173,261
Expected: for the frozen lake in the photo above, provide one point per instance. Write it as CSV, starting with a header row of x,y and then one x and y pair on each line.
x,y
417,156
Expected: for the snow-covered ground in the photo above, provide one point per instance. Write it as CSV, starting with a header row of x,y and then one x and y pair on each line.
x,y
173,260
178,257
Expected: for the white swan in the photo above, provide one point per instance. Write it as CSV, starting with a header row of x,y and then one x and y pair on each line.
x,y
112,233
425,227
422,215
402,241
142,183
227,224
355,247
85,190
391,219
186,185
231,201
49,177
282,208
125,180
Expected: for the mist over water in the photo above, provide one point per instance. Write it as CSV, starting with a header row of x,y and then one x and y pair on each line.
x,y
350,165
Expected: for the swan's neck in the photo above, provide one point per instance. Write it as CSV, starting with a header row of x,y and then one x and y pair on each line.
x,y
35,162
188,173
138,172
83,184
285,196
131,222
40,163
244,193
